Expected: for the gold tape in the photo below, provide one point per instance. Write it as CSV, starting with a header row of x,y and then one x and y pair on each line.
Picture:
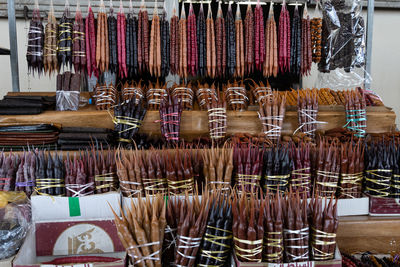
x,y
249,253
155,185
182,184
246,179
47,183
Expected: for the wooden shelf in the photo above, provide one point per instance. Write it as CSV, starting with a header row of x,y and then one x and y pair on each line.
x,y
195,123
367,233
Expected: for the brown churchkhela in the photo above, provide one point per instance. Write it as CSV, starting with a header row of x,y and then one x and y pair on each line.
x,y
271,113
218,166
102,45
211,59
249,40
271,43
239,72
284,40
174,43
50,44
351,169
155,46
182,42
78,42
141,230
143,39
236,95
220,43
306,53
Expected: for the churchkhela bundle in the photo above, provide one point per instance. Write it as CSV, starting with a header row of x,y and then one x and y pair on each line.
x,y
277,169
141,230
128,119
218,166
300,177
50,43
34,53
217,240
271,114
356,115
307,111
64,39
170,119
133,91
248,161
78,42
236,95
154,94
184,94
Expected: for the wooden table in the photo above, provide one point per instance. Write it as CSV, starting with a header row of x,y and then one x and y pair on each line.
x,y
367,233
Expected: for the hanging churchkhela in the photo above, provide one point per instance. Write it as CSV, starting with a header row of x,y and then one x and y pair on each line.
x,y
102,49
351,169
141,230
231,42
218,167
239,71
50,43
192,53
217,240
64,43
277,169
316,35
220,43
112,41
131,43
165,43
78,42
328,168
248,167
306,53
259,43
248,226
324,221
143,39
210,41
174,43
249,40
155,45
121,38
300,180
201,41
90,38
295,43
271,42
284,40
182,43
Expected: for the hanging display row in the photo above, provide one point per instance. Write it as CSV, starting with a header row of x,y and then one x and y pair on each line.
x,y
194,45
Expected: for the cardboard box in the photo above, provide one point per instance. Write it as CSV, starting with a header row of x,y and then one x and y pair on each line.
x,y
51,208
353,206
384,206
336,262
27,257
77,237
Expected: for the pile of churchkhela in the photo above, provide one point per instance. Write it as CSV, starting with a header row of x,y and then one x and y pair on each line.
x,y
183,134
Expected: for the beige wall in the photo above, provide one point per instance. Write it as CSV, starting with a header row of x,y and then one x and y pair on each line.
x,y
385,60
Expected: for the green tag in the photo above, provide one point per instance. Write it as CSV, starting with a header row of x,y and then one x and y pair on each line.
x,y
74,207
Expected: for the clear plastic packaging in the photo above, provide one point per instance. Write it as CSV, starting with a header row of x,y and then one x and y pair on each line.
x,y
343,45
14,225
67,100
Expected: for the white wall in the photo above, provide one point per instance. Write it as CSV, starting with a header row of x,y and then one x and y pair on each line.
x,y
385,60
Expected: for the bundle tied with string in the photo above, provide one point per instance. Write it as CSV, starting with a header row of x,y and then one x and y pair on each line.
x,y
307,110
50,175
296,230
356,115
154,94
64,40
76,182
185,94
50,43
248,167
206,94
248,227
128,118
328,168
170,118
154,178
133,91
236,96
141,231
323,228
271,114
300,178
128,172
379,169
34,53
351,170
277,169
395,181
106,96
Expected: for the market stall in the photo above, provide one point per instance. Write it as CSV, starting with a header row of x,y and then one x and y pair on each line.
x,y
181,136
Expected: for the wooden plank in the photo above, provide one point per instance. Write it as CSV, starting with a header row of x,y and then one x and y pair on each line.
x,y
195,123
366,233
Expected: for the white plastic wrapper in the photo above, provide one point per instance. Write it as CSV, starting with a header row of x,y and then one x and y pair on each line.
x,y
343,45
14,226
67,100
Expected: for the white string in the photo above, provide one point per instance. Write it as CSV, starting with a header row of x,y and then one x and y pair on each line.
x,y
309,113
188,242
80,189
148,257
276,129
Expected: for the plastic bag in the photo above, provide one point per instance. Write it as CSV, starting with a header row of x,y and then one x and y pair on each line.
x,y
343,46
14,225
67,100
